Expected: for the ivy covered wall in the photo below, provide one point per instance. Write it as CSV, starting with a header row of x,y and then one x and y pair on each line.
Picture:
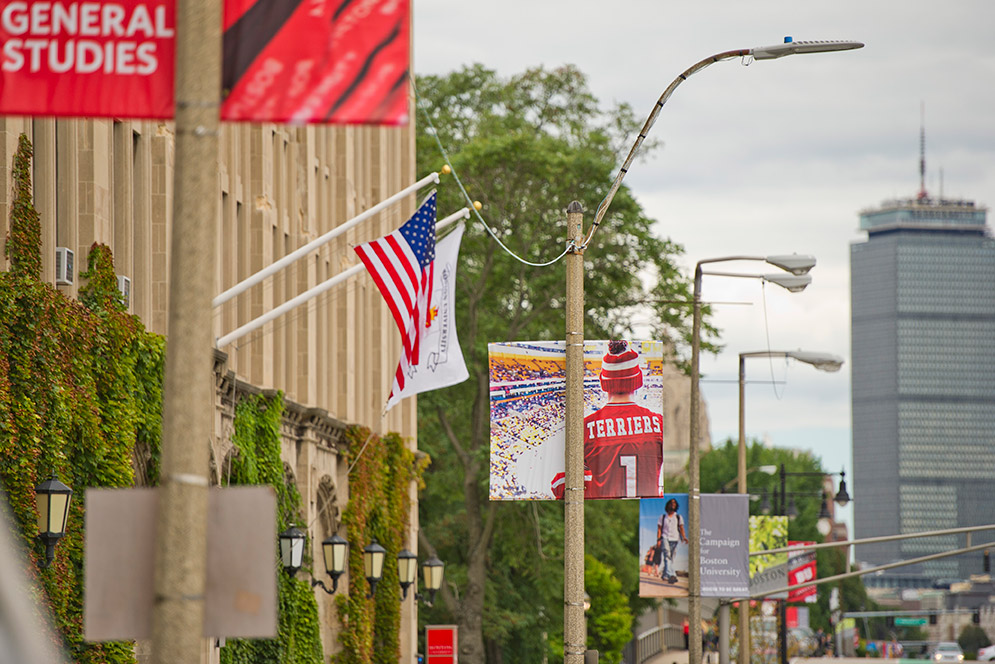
x,y
382,469
80,390
81,396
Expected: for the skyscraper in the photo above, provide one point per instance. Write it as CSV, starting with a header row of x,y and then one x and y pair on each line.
x,y
922,290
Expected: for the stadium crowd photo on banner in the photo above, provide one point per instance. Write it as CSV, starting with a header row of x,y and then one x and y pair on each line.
x,y
623,422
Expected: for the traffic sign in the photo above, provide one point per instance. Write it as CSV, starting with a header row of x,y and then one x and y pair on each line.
x,y
909,622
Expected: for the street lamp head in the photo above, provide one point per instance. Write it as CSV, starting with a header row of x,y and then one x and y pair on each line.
x,y
842,497
292,549
790,47
794,283
432,570
407,570
821,361
373,556
52,500
793,263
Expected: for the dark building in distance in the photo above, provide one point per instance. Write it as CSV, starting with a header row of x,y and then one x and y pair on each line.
x,y
922,290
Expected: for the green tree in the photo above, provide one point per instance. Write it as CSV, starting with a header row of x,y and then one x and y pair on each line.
x,y
609,621
526,147
972,639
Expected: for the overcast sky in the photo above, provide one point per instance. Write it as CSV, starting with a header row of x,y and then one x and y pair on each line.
x,y
776,157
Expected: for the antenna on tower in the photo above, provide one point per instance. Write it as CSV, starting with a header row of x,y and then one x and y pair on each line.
x,y
922,151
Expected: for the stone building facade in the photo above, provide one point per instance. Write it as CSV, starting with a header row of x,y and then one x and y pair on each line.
x,y
278,187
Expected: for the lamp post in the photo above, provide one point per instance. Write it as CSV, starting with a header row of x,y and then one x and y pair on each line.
x,y
573,560
796,281
52,500
788,509
822,362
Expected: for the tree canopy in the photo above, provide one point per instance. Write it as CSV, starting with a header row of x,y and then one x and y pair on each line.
x,y
526,146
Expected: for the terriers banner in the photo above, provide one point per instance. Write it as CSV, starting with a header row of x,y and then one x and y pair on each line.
x,y
334,61
623,423
87,58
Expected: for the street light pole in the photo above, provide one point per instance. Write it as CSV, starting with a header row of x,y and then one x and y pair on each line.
x,y
789,47
188,389
574,622
798,266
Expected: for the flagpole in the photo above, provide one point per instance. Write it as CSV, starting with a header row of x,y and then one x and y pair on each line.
x,y
314,292
249,282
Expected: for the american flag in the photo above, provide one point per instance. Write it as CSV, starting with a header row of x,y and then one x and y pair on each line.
x,y
402,265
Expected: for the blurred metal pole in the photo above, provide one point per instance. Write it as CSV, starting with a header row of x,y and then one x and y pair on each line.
x,y
724,633
744,605
574,622
694,504
188,392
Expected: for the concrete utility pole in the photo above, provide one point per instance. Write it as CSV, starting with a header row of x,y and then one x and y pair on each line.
x,y
574,625
188,393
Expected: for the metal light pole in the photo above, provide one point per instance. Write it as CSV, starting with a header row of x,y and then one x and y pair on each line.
x,y
789,47
574,623
798,267
188,390
821,361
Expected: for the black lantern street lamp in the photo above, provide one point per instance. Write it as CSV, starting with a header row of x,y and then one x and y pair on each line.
x,y
432,570
333,550
842,497
373,556
52,499
292,549
407,570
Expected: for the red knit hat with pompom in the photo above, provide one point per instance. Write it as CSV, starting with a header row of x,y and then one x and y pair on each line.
x,y
620,372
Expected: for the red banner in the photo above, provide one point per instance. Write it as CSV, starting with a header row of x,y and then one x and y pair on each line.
x,y
801,569
316,61
87,59
440,644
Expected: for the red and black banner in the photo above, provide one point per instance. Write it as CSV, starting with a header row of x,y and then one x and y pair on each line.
x,y
316,61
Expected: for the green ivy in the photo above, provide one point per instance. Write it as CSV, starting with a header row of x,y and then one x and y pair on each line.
x,y
81,396
379,508
257,461
80,389
23,246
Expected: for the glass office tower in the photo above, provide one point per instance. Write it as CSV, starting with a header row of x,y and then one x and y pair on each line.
x,y
923,361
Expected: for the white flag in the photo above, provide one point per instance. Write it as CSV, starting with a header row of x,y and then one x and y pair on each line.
x,y
440,359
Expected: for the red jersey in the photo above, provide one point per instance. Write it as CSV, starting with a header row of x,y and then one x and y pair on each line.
x,y
623,450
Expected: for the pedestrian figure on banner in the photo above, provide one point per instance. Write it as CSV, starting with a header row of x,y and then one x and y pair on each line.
x,y
669,533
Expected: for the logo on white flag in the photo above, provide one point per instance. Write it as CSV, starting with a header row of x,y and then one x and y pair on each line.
x,y
440,356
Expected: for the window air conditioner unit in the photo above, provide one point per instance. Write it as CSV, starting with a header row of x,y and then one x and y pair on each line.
x,y
64,266
124,286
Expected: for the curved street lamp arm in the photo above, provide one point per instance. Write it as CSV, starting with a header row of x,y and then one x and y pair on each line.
x,y
693,69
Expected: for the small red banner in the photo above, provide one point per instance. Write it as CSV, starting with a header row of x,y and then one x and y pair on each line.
x,y
316,61
440,644
87,59
801,569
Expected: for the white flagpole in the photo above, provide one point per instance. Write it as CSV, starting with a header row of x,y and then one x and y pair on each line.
x,y
292,303
249,282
